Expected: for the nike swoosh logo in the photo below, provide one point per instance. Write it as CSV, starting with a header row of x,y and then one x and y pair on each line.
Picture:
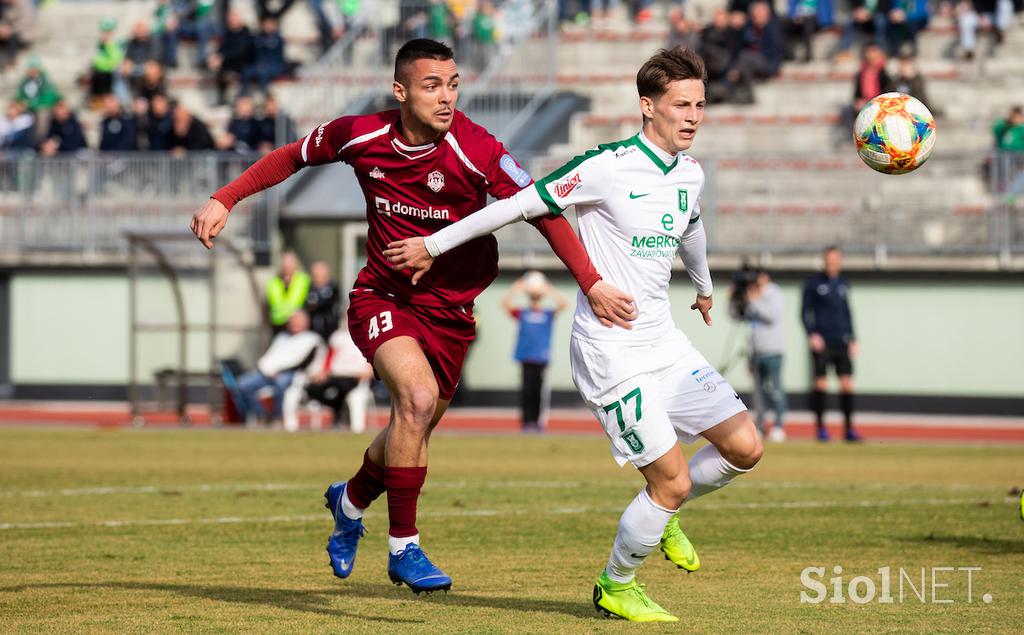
x,y
736,395
632,195
343,564
637,556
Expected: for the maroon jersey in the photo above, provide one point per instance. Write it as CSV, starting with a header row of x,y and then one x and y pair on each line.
x,y
417,190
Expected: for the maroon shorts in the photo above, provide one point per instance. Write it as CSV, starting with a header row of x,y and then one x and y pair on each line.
x,y
444,334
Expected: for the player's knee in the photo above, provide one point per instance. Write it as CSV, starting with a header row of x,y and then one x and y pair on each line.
x,y
416,407
746,454
672,493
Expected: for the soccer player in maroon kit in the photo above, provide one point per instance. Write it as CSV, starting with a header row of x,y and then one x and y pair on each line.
x,y
420,167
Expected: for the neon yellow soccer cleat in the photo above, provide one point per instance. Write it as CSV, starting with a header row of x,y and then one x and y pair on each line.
x,y
677,547
628,601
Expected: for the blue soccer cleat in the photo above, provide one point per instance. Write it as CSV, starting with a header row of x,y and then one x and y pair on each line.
x,y
342,544
852,436
822,434
413,568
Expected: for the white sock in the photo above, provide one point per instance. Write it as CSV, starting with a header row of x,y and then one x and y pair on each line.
x,y
351,511
398,545
710,471
640,529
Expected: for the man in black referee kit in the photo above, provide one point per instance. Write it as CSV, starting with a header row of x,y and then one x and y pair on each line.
x,y
826,317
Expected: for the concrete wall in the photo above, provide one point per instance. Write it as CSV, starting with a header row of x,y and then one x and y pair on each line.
x,y
919,336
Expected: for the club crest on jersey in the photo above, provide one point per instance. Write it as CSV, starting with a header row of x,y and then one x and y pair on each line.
x,y
376,173
564,187
435,181
684,202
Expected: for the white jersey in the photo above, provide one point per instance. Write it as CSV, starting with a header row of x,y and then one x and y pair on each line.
x,y
633,203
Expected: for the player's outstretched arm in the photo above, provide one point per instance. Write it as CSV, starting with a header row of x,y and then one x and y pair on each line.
x,y
267,172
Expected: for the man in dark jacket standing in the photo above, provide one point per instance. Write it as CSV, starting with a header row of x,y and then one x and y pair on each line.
x,y
829,325
762,54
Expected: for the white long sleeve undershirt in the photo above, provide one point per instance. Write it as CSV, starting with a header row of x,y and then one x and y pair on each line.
x,y
524,205
694,250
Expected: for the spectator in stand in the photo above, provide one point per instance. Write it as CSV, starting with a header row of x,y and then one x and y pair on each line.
x,y
682,32
343,370
995,16
119,133
188,133
909,80
105,61
322,300
903,19
293,349
335,20
761,56
17,24
267,61
533,344
271,136
159,126
485,37
243,132
152,82
287,291
65,133
36,90
861,27
1009,132
17,128
165,30
197,21
233,55
806,17
720,44
439,21
140,48
872,79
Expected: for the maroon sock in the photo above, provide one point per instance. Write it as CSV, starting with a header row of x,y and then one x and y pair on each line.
x,y
403,485
367,485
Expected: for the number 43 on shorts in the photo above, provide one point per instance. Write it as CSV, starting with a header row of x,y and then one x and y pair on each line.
x,y
631,438
384,325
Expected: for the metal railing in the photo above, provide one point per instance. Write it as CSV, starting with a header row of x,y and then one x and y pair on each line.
x,y
76,208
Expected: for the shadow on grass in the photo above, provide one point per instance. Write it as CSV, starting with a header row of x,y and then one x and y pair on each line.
x,y
975,543
318,601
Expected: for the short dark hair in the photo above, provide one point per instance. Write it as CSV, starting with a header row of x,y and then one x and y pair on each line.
x,y
666,66
420,49
831,248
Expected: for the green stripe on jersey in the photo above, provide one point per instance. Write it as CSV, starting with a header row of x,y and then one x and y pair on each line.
x,y
694,219
546,197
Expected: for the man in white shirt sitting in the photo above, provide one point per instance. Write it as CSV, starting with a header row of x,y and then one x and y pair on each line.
x,y
294,349
342,370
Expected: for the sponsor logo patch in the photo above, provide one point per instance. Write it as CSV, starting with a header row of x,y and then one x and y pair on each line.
x,y
564,187
386,207
509,166
319,135
376,173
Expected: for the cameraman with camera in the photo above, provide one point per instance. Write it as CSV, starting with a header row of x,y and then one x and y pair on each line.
x,y
758,300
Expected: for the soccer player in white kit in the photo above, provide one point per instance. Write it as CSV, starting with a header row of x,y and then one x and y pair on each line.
x,y
638,203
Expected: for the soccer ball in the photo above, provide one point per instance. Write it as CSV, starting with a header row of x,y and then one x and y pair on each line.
x,y
894,133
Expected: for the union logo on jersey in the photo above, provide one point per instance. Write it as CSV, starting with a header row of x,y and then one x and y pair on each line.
x,y
435,181
566,186
376,173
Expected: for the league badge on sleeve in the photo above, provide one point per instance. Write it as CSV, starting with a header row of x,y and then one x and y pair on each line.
x,y
518,175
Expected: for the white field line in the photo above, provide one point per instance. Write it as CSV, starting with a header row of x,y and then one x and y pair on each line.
x,y
461,484
304,518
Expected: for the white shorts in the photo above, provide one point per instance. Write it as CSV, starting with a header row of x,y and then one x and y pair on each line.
x,y
649,397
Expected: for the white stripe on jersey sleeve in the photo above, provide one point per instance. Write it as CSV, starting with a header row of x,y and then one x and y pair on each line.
x,y
365,137
450,138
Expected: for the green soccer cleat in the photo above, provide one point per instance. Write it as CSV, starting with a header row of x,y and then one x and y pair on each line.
x,y
677,547
628,601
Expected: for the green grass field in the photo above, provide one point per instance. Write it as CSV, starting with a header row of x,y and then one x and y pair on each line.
x,y
224,531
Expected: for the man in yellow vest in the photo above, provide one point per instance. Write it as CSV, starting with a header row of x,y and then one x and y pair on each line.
x,y
286,292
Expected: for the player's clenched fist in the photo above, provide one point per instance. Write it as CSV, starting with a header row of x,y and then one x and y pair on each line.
x,y
410,253
208,221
